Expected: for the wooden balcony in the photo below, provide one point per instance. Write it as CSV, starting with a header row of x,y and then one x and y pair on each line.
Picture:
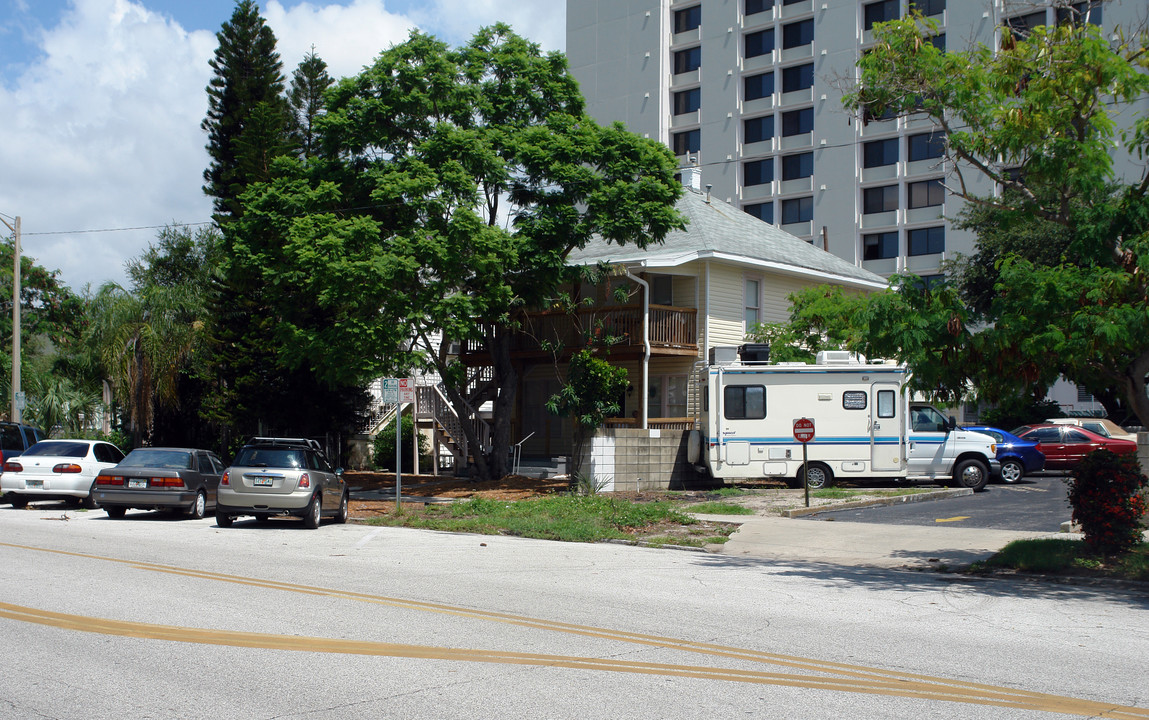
x,y
673,331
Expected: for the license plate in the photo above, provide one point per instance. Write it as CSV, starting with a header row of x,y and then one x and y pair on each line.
x,y
137,484
263,481
34,483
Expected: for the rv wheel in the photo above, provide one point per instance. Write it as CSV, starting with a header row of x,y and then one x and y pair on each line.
x,y
820,477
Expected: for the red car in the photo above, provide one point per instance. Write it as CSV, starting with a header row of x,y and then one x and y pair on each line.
x,y
1064,446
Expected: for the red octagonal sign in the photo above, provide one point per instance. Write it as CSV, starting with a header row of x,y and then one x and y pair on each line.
x,y
803,430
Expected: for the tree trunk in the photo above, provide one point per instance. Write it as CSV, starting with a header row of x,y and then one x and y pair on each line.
x,y
507,383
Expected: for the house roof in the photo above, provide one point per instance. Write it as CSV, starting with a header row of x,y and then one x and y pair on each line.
x,y
720,231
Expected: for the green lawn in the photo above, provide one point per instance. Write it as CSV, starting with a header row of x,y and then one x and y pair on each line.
x,y
1068,557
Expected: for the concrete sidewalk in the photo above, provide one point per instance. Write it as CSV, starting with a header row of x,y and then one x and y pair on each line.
x,y
865,544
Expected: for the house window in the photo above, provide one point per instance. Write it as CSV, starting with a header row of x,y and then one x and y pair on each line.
x,y
762,211
799,77
795,167
758,172
797,210
927,146
928,7
687,19
927,193
879,153
926,241
687,60
877,12
797,122
661,290
797,34
879,199
758,129
757,86
753,303
1021,26
687,101
744,402
687,142
666,396
1083,395
759,43
753,7
880,246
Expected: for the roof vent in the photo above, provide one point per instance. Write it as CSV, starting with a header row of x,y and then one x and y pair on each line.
x,y
836,357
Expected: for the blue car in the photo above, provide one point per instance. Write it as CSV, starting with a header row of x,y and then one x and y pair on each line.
x,y
1018,457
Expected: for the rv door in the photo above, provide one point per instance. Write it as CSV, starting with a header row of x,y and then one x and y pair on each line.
x,y
887,442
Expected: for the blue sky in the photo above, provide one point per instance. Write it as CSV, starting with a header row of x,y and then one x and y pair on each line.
x,y
103,100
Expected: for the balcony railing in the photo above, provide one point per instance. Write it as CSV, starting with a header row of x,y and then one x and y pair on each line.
x,y
673,330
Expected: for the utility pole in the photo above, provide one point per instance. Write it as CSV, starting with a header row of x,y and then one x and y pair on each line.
x,y
17,407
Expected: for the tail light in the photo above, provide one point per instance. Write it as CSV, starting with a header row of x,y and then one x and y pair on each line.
x,y
225,480
67,468
109,480
13,466
166,482
304,481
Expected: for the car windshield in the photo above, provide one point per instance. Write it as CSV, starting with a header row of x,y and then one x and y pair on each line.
x,y
150,457
61,448
269,457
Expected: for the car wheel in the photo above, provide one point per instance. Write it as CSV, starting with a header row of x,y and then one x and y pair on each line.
x,y
820,477
198,508
115,512
223,519
312,515
341,516
1011,471
18,501
971,474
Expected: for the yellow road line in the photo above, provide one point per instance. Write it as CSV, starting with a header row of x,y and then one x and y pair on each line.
x,y
953,519
846,677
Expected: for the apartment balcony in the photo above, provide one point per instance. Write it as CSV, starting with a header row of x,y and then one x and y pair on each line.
x,y
673,331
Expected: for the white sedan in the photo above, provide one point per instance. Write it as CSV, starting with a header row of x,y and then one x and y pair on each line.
x,y
57,470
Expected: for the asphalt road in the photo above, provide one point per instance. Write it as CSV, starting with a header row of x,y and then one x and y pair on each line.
x,y
152,617
1036,503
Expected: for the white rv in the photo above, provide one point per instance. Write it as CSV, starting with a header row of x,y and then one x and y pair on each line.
x,y
865,426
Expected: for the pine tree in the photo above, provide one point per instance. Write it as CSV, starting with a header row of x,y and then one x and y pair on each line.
x,y
308,83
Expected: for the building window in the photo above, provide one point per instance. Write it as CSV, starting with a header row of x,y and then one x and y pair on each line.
x,y
791,2
744,402
797,122
797,34
938,41
928,7
877,12
1074,13
687,60
753,303
757,86
753,7
879,153
688,19
661,290
666,395
1021,26
926,241
758,129
687,101
762,211
929,283
795,167
1083,395
880,246
926,193
759,43
687,142
927,146
798,77
879,199
797,210
758,172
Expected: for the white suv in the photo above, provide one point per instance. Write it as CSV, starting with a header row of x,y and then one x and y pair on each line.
x,y
281,476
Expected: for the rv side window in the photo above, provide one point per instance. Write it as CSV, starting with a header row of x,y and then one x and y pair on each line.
x,y
744,402
854,400
886,403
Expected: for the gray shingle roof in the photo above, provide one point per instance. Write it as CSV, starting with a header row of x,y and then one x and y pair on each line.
x,y
716,229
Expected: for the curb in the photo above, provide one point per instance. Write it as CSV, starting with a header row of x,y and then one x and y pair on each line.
x,y
880,502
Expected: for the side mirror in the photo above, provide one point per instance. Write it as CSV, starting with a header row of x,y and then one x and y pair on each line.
x,y
951,424
338,471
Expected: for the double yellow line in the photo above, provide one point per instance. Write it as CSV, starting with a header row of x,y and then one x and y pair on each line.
x,y
813,674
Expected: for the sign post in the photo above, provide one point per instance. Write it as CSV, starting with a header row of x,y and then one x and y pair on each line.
x,y
397,391
804,433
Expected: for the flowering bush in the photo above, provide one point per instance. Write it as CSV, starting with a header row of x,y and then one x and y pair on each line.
x,y
1108,502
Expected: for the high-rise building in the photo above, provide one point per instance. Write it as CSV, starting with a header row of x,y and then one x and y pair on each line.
x,y
749,91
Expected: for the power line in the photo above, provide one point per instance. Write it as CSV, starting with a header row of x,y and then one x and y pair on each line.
x,y
122,229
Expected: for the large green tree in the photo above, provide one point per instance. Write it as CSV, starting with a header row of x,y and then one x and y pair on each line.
x,y
451,185
1037,117
309,82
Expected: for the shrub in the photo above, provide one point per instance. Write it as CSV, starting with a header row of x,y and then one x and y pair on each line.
x,y
385,448
1108,503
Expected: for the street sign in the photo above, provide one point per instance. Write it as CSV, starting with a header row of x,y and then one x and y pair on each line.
x,y
406,390
398,390
803,430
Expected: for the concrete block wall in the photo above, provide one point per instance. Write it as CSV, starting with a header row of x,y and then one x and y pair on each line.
x,y
628,459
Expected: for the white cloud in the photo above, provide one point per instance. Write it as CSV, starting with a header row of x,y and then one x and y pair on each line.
x,y
542,21
347,38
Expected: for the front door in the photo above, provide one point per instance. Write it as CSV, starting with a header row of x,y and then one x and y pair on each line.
x,y
886,446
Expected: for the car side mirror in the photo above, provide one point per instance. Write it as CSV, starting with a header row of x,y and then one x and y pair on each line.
x,y
951,423
338,471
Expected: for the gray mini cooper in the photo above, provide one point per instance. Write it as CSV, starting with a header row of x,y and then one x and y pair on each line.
x,y
281,476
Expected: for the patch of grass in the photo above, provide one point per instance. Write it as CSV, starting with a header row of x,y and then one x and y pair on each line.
x,y
729,492
719,508
1070,558
570,518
